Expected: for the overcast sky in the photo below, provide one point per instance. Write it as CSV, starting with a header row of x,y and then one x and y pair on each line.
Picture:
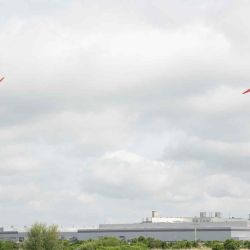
x,y
111,109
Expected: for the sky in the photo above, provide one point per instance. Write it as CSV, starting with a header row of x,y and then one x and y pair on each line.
x,y
111,109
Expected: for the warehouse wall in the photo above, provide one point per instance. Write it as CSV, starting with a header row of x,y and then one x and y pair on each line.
x,y
161,234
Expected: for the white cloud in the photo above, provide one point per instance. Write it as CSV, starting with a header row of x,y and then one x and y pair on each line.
x,y
123,175
106,103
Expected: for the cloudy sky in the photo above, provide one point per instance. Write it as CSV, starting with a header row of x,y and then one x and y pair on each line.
x,y
111,109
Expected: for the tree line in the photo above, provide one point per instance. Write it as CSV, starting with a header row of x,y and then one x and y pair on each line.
x,y
42,237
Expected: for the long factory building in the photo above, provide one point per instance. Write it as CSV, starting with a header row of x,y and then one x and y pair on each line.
x,y
207,226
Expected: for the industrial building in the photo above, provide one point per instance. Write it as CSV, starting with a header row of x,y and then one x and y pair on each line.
x,y
207,226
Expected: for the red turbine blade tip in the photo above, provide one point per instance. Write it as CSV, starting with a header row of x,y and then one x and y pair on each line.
x,y
247,91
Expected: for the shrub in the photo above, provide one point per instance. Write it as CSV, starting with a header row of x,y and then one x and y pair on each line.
x,y
217,246
89,245
246,244
109,242
183,244
231,245
8,245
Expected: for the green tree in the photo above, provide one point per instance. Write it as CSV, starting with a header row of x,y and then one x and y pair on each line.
x,y
41,237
